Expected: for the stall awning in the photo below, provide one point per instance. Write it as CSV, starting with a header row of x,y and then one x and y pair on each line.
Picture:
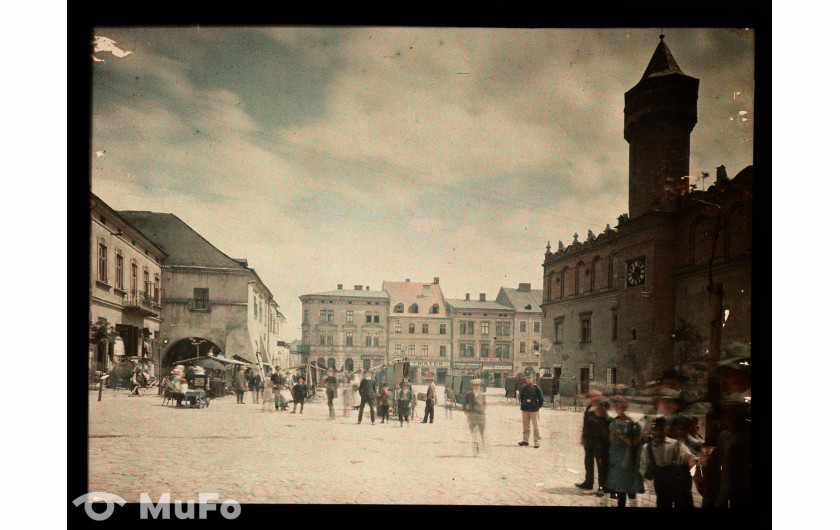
x,y
223,360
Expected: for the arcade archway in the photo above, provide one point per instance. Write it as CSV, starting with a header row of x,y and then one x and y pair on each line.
x,y
188,348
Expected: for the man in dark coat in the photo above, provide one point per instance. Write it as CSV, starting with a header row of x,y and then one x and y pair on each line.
x,y
367,392
332,387
596,442
277,382
530,401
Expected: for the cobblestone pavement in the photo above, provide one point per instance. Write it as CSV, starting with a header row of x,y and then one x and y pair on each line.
x,y
242,453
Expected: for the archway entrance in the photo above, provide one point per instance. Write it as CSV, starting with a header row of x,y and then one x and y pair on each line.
x,y
188,348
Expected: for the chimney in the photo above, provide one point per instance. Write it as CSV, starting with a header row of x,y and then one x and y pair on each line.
x,y
524,288
367,288
482,297
340,287
407,280
468,296
357,287
437,280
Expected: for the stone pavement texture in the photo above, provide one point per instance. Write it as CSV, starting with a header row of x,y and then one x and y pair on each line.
x,y
242,453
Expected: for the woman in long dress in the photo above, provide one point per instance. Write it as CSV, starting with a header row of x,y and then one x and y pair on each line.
x,y
624,478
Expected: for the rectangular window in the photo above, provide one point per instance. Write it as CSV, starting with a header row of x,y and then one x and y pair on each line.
x,y
118,281
485,328
103,263
503,328
368,339
522,347
348,338
349,316
503,350
397,327
397,350
376,339
536,326
368,317
201,297
147,284
322,339
484,349
586,327
323,315
443,351
466,349
376,318
467,327
523,326
133,278
156,292
411,350
558,331
443,329
610,376
330,315
614,325
424,350
424,329
411,328
329,339
536,345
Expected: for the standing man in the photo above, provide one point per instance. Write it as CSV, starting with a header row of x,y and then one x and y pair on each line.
x,y
332,387
240,384
277,387
475,406
596,442
530,401
431,399
403,400
367,392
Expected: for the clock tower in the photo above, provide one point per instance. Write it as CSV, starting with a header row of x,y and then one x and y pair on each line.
x,y
659,115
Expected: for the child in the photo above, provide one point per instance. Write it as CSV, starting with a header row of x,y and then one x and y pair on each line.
x,y
299,394
403,400
663,460
624,478
384,403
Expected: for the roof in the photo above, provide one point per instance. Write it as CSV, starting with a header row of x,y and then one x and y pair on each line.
x,y
662,62
352,293
117,215
520,299
408,293
489,305
183,245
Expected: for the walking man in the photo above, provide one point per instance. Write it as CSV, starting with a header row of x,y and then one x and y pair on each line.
x,y
431,398
332,387
299,394
367,392
475,406
240,384
530,401
277,387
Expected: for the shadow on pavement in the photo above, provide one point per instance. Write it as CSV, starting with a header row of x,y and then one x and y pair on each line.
x,y
566,490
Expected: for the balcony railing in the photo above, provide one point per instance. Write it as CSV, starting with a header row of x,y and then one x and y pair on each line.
x,y
140,301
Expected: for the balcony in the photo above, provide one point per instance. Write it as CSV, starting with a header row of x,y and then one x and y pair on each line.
x,y
142,303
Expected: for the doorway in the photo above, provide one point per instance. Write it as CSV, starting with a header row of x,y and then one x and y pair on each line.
x,y
497,380
584,380
557,372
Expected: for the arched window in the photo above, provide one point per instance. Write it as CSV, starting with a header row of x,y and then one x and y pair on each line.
x,y
596,262
413,308
613,272
547,287
348,364
739,231
435,309
578,277
331,363
398,308
563,274
320,362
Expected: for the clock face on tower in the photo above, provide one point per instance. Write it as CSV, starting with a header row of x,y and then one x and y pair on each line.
x,y
636,272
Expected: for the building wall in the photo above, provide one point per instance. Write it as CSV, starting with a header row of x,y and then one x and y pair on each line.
x,y
530,357
359,352
489,364
433,340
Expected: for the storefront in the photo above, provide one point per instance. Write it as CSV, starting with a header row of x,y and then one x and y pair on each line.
x,y
372,360
495,374
425,369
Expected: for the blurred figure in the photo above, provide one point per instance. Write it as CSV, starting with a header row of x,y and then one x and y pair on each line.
x,y
623,477
449,399
346,395
665,461
240,384
735,453
683,430
367,394
530,401
332,387
475,407
384,403
596,442
403,402
277,387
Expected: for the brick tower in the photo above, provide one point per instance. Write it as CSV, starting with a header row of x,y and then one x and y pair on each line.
x,y
659,114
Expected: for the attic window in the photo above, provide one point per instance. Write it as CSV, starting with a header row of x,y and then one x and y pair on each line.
x,y
528,306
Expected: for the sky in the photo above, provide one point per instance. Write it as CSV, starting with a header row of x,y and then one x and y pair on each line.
x,y
329,155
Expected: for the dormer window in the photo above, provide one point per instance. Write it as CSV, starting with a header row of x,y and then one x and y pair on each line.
x,y
398,308
528,307
435,309
413,308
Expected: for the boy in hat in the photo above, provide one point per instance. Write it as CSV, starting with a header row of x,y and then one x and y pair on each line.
x,y
299,394
664,460
475,406
384,403
403,400
277,384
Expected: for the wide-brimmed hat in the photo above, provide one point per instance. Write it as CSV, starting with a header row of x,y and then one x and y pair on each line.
x,y
476,382
671,373
668,394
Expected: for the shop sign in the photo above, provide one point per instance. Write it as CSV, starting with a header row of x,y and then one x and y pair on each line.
x,y
466,366
535,363
373,357
498,367
430,363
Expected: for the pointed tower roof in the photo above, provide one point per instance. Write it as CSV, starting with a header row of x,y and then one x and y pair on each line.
x,y
662,62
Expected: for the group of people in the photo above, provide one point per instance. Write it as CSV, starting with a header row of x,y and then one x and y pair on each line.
x,y
284,388
667,448
381,398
